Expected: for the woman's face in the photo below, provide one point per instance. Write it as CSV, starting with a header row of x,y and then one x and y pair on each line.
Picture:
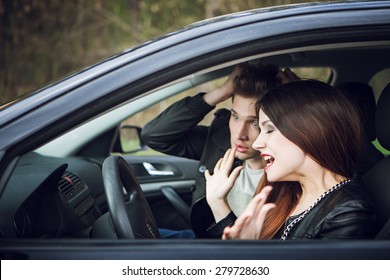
x,y
285,161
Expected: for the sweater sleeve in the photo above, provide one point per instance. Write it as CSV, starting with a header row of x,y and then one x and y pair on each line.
x,y
176,131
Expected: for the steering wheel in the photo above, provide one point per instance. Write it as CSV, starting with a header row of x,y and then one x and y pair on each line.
x,y
132,219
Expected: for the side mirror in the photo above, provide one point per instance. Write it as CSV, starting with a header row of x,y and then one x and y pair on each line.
x,y
128,140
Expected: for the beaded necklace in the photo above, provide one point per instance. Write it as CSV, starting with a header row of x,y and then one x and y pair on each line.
x,y
300,217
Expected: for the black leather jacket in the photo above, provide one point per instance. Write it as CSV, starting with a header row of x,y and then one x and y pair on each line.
x,y
346,213
176,132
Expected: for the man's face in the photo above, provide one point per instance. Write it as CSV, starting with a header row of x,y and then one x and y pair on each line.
x,y
243,127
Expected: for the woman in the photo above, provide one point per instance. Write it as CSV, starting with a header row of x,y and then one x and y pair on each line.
x,y
310,139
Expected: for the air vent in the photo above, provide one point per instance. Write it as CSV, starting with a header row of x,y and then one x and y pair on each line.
x,y
69,183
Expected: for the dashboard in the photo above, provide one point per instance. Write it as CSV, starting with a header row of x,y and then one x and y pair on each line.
x,y
64,197
52,197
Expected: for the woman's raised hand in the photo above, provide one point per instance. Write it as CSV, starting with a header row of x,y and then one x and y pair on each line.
x,y
250,223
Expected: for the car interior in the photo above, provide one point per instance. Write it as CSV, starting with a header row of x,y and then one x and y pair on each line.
x,y
376,179
58,190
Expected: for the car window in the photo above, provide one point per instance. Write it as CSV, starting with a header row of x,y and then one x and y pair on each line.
x,y
148,114
140,119
319,73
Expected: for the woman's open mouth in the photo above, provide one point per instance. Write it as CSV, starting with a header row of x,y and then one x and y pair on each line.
x,y
269,160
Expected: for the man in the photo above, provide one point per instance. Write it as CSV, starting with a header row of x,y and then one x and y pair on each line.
x,y
176,132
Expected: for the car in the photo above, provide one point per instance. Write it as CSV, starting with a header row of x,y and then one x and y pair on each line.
x,y
62,145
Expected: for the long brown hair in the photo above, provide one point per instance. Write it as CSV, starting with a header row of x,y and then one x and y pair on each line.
x,y
323,123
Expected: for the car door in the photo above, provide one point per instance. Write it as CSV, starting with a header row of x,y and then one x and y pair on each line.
x,y
167,182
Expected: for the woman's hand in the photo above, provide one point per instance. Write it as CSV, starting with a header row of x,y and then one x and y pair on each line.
x,y
220,183
250,223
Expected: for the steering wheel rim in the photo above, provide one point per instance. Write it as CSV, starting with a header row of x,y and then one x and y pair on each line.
x,y
132,219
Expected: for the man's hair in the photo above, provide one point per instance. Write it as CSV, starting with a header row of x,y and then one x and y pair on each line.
x,y
254,81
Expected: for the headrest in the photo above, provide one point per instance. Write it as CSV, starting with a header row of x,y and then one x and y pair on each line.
x,y
363,97
382,123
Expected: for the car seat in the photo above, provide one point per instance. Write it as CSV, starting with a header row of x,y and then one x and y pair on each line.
x,y
377,179
362,96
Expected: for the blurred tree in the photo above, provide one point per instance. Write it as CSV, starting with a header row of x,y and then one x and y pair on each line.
x,y
43,40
